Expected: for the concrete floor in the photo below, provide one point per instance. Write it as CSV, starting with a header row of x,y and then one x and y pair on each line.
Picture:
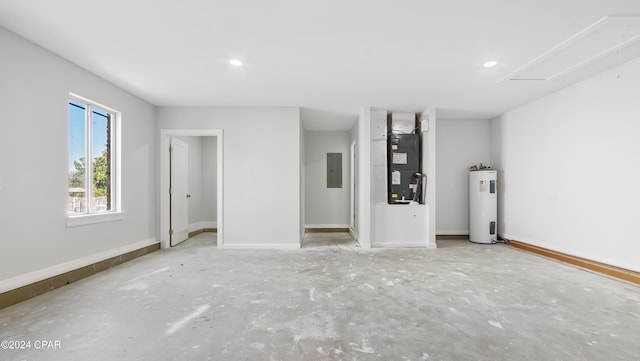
x,y
329,239
325,302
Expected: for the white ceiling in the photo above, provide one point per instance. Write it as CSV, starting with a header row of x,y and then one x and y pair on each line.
x,y
330,57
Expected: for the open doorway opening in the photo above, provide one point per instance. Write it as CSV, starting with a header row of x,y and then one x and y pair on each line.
x,y
181,196
328,188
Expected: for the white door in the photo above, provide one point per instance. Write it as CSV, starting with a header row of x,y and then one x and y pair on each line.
x,y
179,191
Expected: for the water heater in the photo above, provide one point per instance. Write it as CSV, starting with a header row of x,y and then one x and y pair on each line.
x,y
483,206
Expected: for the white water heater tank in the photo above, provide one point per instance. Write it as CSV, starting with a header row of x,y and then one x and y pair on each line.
x,y
483,206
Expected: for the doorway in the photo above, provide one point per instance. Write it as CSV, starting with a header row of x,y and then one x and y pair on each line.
x,y
165,180
328,188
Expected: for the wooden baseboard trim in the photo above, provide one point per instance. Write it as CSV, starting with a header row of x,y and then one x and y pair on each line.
x,y
452,237
195,233
612,271
203,230
323,230
24,293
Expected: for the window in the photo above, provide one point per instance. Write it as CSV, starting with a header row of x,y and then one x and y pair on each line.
x,y
92,158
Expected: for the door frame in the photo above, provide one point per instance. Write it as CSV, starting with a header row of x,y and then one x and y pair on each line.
x,y
353,191
165,139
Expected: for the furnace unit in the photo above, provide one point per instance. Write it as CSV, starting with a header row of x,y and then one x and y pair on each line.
x,y
403,159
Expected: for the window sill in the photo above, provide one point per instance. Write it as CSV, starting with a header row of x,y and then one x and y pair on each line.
x,y
86,219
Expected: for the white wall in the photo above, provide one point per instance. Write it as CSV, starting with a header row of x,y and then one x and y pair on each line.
x,y
363,178
261,170
34,94
460,144
209,181
569,165
429,163
326,207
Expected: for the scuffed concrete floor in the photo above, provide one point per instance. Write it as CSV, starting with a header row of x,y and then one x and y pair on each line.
x,y
458,302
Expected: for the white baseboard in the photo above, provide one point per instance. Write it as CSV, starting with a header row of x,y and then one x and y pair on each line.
x,y
210,224
326,226
399,245
43,274
261,246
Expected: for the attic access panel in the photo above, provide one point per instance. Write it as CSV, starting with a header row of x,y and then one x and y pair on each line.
x,y
607,40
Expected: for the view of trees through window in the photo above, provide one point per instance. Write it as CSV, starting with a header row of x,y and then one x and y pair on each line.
x,y
90,189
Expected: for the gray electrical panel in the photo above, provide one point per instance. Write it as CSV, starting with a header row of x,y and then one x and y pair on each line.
x,y
334,170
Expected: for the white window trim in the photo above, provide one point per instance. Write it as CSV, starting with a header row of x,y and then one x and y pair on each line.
x,y
93,218
75,220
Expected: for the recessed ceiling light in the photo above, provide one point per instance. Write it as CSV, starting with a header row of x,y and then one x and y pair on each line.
x,y
490,64
235,62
